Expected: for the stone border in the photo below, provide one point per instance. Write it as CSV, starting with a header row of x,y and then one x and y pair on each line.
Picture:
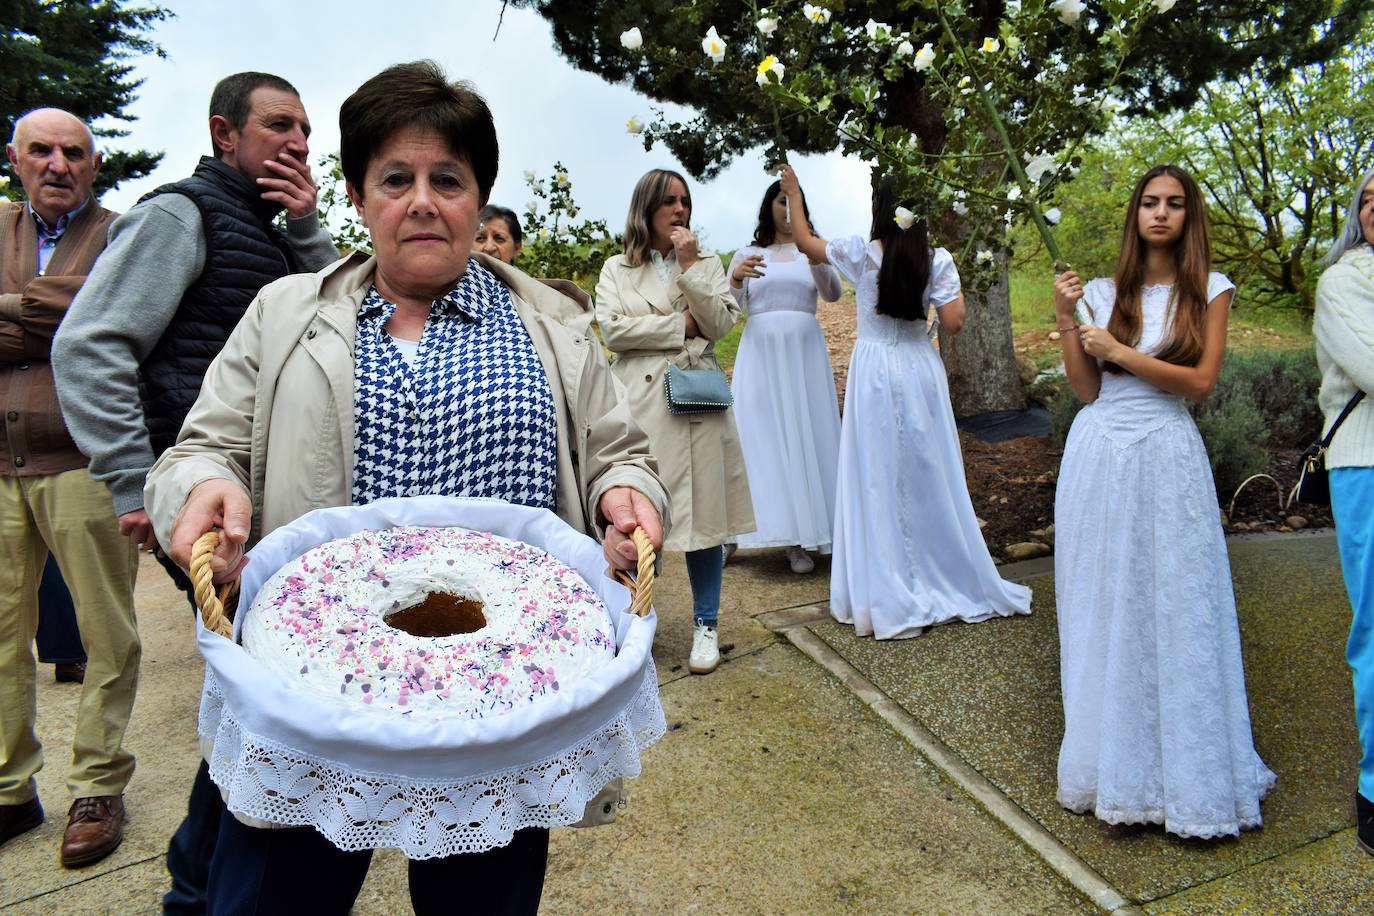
x,y
792,623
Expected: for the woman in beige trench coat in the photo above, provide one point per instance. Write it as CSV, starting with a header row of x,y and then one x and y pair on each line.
x,y
662,300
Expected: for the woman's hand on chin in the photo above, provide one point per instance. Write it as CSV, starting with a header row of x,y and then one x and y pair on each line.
x,y
685,243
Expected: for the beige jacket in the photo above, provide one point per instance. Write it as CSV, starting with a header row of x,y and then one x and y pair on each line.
x,y
275,413
699,457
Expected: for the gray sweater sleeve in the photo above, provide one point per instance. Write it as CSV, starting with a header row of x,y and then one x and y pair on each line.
x,y
155,252
311,244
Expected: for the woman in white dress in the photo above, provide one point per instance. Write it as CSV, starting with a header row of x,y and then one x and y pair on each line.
x,y
908,551
784,387
1156,726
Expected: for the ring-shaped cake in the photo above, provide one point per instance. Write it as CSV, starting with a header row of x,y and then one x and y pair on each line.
x,y
429,621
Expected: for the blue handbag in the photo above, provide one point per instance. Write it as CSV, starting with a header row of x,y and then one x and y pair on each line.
x,y
696,390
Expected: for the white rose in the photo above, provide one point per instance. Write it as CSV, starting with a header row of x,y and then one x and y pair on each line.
x,y
817,14
878,31
1068,10
925,58
1037,167
990,46
767,25
906,49
634,126
1013,7
1164,5
903,218
985,256
633,39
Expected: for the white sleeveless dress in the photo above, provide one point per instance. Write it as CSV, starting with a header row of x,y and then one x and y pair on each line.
x,y
908,551
785,405
1156,725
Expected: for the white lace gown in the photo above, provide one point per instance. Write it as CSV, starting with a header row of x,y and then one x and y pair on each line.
x,y
908,551
785,405
1156,724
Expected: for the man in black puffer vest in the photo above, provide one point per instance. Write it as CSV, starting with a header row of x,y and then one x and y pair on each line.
x,y
180,269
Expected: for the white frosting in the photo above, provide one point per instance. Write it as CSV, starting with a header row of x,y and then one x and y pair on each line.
x,y
319,621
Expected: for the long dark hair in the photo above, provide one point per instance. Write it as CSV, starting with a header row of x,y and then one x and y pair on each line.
x,y
1183,341
905,271
767,231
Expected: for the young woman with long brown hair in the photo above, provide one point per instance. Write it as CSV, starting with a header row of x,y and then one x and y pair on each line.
x,y
1156,724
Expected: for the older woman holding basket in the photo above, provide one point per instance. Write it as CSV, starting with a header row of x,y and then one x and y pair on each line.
x,y
1344,332
292,418
661,306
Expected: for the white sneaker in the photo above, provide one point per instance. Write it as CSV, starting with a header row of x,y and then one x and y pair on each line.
x,y
705,652
801,561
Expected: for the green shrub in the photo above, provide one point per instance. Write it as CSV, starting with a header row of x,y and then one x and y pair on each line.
x,y
1063,407
1282,385
1235,434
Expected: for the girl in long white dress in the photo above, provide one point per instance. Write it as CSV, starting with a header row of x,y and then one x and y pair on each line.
x,y
908,551
784,387
1156,726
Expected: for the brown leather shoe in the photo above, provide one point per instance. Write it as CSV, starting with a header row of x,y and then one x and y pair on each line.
x,y
20,818
69,672
95,828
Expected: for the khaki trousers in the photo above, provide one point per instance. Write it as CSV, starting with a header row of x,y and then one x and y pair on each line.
x,y
73,515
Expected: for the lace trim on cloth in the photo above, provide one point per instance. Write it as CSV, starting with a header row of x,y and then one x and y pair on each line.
x,y
266,781
1247,815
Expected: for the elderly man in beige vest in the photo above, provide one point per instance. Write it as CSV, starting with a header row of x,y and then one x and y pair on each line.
x,y
49,502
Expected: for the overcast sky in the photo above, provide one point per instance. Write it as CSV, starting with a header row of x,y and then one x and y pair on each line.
x,y
545,110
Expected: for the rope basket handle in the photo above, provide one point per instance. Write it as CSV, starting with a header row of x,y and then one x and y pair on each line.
x,y
641,585
216,609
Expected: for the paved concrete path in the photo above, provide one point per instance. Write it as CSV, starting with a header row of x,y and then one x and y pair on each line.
x,y
819,772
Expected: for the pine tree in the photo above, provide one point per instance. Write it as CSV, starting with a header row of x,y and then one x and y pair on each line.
x,y
74,54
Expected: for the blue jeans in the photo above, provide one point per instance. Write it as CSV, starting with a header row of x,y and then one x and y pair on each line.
x,y
59,637
705,570
1352,505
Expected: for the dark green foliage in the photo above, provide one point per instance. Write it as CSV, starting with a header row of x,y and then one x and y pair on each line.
x,y
1282,387
74,54
1063,407
1197,42
1262,399
1236,435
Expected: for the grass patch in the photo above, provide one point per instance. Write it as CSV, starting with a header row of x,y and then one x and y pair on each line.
x,y
728,346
